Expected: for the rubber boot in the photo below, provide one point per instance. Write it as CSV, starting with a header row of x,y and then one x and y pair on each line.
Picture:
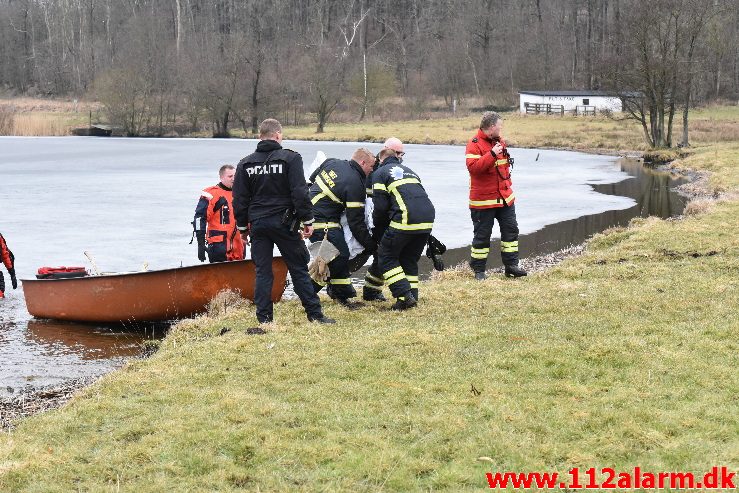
x,y
514,271
405,302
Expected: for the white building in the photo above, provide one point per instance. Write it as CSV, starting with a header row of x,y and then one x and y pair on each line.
x,y
577,102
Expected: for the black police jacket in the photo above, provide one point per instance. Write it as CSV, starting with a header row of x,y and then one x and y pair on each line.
x,y
268,182
338,186
400,200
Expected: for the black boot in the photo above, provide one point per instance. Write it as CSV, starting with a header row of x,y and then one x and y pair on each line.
x,y
373,295
514,271
404,302
330,292
349,305
480,276
323,319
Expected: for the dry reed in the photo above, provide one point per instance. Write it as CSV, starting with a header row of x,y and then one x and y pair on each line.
x,y
37,125
7,120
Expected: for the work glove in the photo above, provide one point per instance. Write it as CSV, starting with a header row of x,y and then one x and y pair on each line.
x,y
318,270
201,246
13,280
322,252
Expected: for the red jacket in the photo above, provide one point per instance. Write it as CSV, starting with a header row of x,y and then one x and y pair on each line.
x,y
490,174
6,255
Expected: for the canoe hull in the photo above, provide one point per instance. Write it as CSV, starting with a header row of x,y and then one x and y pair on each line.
x,y
145,296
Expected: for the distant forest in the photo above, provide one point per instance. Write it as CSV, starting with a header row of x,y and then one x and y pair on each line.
x,y
219,64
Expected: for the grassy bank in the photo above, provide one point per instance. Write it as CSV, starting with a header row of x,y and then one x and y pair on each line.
x,y
707,125
624,356
34,117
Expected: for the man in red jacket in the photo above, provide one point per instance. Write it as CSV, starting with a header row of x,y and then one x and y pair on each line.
x,y
8,259
491,197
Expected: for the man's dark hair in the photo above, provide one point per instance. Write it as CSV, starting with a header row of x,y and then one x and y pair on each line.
x,y
269,128
224,168
489,118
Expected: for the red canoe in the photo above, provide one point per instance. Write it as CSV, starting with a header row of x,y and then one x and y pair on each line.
x,y
144,296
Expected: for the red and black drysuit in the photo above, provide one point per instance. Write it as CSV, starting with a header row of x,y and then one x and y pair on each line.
x,y
491,198
8,260
215,224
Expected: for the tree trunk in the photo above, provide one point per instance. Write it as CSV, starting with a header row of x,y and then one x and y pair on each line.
x,y
363,44
255,101
685,142
576,36
589,47
91,77
474,71
221,124
618,35
26,77
365,96
178,26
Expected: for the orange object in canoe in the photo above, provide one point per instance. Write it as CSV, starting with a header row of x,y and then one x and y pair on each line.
x,y
145,296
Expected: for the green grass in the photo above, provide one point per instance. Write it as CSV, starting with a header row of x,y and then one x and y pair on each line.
x,y
624,356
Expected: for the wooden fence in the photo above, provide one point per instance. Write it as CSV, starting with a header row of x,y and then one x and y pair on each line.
x,y
547,109
557,109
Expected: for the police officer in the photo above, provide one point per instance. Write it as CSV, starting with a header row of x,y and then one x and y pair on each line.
x,y
8,259
373,280
270,200
491,197
214,214
403,210
338,187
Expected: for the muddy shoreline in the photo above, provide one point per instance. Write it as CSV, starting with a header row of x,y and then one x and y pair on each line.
x,y
32,400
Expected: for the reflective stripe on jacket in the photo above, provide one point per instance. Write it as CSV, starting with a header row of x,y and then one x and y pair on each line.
x,y
490,174
400,201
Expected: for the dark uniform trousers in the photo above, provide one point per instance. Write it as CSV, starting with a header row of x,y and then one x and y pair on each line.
x,y
373,280
266,232
482,220
398,260
339,282
216,252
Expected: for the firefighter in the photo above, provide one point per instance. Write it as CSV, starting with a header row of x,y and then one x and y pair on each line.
x,y
491,197
405,215
271,204
8,260
373,280
214,222
338,187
